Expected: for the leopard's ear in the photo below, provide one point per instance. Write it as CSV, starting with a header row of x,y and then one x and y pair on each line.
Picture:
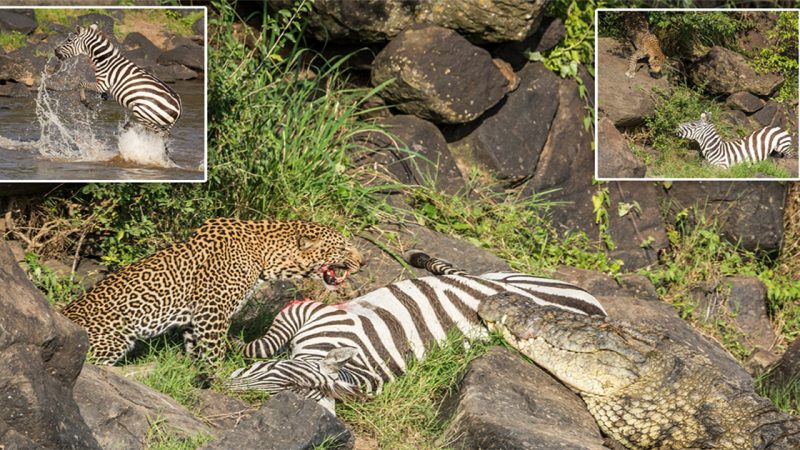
x,y
306,242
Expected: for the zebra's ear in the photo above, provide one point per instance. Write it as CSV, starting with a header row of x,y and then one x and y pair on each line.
x,y
336,359
704,117
93,27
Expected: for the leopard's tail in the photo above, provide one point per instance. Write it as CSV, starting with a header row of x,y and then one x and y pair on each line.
x,y
434,265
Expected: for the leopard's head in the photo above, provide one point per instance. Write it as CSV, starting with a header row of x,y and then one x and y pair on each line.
x,y
317,251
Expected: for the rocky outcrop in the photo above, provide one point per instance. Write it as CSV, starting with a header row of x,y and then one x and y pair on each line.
x,y
745,101
509,139
614,156
380,20
748,212
644,389
17,20
186,53
626,101
286,421
725,72
438,75
121,412
529,409
42,353
413,152
787,369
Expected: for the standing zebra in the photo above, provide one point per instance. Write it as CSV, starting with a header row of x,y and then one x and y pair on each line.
x,y
755,147
154,104
353,348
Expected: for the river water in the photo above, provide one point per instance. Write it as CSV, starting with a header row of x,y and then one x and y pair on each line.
x,y
52,136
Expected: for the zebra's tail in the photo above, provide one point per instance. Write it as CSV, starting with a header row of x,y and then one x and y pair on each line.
x,y
434,265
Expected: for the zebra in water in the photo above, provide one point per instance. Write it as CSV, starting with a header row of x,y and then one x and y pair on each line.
x,y
153,104
353,348
755,147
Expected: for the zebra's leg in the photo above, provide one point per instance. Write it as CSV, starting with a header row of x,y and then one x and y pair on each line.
x,y
434,265
93,87
633,62
285,326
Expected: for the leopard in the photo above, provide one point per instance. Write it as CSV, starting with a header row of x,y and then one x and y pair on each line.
x,y
195,286
645,43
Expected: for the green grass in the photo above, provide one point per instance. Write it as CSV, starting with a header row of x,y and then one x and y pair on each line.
x,y
172,20
515,229
785,397
10,41
161,437
57,290
405,415
61,16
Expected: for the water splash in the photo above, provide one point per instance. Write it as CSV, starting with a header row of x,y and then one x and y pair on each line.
x,y
139,146
68,131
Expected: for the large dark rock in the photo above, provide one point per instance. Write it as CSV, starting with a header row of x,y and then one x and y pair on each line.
x,y
16,20
623,303
504,402
545,38
766,114
173,73
429,161
380,20
745,101
187,54
12,89
614,156
121,411
742,302
104,23
570,173
749,213
509,139
286,421
626,101
725,72
41,353
199,26
17,70
140,50
438,75
787,369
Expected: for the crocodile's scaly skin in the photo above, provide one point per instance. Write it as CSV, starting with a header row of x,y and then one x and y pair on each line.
x,y
645,390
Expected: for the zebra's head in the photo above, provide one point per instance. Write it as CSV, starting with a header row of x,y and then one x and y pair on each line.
x,y
77,43
319,380
693,130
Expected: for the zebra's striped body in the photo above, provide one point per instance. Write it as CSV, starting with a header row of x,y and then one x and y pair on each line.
x,y
389,325
755,147
152,103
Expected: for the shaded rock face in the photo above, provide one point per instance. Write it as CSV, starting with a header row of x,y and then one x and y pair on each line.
x,y
745,101
140,50
16,20
431,160
187,54
545,38
290,422
18,70
504,402
639,226
438,75
42,353
380,20
626,101
512,135
746,305
748,212
787,369
120,411
726,72
614,157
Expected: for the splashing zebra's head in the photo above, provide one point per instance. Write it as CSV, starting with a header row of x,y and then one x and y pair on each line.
x,y
78,43
692,130
319,380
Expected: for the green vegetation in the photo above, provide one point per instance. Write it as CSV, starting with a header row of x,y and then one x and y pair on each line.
x,y
57,290
674,157
12,40
161,437
785,396
781,57
175,21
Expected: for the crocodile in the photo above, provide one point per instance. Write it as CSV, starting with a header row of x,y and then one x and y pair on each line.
x,y
644,389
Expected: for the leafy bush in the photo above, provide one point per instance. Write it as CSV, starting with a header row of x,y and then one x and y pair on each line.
x,y
12,40
781,56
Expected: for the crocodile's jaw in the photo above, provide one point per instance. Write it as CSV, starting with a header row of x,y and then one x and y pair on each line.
x,y
586,353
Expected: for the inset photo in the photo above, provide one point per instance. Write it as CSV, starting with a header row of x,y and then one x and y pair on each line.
x,y
692,95
111,94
